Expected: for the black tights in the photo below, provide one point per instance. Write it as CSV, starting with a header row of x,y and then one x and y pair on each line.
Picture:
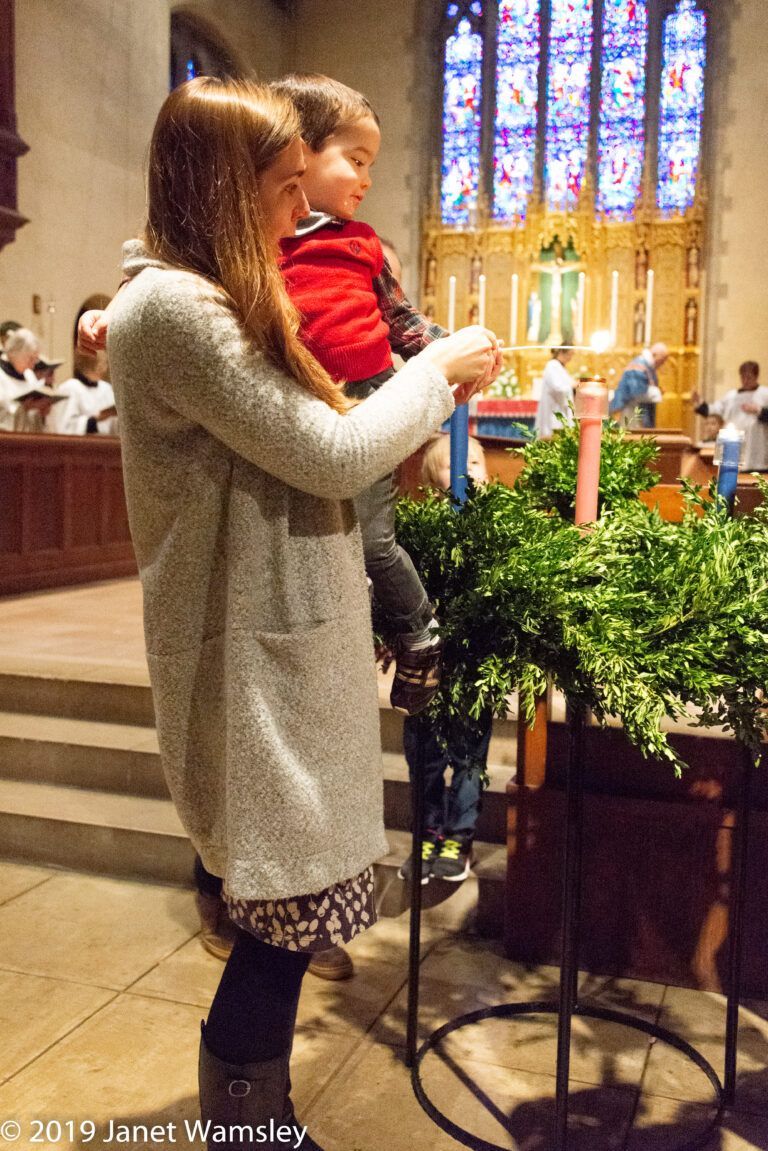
x,y
253,1013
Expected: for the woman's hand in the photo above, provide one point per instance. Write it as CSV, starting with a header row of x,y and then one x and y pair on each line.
x,y
462,393
92,331
468,357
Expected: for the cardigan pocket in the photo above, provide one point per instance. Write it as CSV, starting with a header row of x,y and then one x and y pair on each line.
x,y
303,713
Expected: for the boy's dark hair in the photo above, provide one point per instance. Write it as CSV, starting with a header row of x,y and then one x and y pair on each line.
x,y
749,368
324,105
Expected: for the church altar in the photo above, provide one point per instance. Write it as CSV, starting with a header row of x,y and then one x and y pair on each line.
x,y
568,276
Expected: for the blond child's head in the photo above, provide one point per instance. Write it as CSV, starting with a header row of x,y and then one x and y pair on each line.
x,y
436,462
341,132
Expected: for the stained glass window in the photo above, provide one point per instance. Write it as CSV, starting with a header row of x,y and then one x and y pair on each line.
x,y
622,106
517,91
682,104
570,59
461,120
516,40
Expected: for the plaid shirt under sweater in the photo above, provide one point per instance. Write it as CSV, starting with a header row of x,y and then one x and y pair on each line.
x,y
409,330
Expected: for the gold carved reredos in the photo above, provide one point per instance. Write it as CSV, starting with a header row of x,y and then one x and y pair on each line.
x,y
603,246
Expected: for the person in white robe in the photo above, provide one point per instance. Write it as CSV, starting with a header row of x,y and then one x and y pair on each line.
x,y
19,356
557,391
90,405
746,408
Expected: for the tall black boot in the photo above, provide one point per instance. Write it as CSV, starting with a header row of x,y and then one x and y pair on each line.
x,y
246,1095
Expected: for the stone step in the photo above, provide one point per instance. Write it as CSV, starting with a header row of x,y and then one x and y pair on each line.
x,y
95,831
105,695
99,693
104,833
113,757
124,760
109,693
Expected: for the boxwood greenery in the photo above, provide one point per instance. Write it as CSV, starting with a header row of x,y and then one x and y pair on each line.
x,y
635,618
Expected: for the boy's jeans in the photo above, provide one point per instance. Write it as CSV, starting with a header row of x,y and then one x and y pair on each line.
x,y
453,811
396,583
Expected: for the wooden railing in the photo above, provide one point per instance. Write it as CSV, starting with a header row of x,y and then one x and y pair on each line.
x,y
63,518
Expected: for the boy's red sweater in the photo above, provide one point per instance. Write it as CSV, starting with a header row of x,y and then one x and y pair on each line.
x,y
329,275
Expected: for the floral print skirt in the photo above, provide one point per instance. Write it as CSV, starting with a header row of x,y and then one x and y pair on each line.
x,y
309,922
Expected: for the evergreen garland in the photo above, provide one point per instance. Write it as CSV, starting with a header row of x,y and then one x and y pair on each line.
x,y
635,617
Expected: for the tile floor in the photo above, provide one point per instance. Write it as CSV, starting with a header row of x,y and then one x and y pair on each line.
x,y
103,984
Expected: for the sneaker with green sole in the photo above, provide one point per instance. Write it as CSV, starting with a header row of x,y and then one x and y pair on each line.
x,y
452,861
429,846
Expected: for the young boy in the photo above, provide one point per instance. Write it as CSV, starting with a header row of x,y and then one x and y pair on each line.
x,y
354,314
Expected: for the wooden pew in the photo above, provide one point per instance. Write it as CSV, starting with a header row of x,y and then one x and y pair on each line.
x,y
64,518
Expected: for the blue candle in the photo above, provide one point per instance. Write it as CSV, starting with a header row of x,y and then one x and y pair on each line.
x,y
728,454
459,452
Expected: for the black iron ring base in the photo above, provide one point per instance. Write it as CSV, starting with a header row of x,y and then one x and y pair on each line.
x,y
547,1007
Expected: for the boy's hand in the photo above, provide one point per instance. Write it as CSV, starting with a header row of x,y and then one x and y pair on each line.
x,y
384,655
92,332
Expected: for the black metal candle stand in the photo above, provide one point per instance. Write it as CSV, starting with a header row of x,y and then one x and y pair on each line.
x,y
567,1006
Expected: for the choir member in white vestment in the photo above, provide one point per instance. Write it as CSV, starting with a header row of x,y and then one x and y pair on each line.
x,y
90,406
20,354
747,409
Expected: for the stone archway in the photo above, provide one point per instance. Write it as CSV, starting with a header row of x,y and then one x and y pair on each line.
x,y
198,49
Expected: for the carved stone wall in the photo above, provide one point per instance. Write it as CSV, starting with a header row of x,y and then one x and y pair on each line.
x,y
735,324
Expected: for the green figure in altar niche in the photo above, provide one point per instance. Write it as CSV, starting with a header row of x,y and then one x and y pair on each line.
x,y
558,270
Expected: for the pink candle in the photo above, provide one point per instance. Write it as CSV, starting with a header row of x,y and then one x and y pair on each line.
x,y
589,410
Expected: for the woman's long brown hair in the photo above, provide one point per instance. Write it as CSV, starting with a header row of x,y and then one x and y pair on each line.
x,y
212,140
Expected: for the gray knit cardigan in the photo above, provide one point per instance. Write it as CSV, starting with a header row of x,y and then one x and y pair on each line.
x,y
256,612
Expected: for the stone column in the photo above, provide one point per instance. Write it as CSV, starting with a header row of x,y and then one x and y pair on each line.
x,y
11,144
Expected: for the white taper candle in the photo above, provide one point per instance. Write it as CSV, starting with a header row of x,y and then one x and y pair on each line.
x,y
513,310
702,322
580,308
649,307
614,307
452,304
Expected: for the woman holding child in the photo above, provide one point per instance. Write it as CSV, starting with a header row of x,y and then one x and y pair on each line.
x,y
241,455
